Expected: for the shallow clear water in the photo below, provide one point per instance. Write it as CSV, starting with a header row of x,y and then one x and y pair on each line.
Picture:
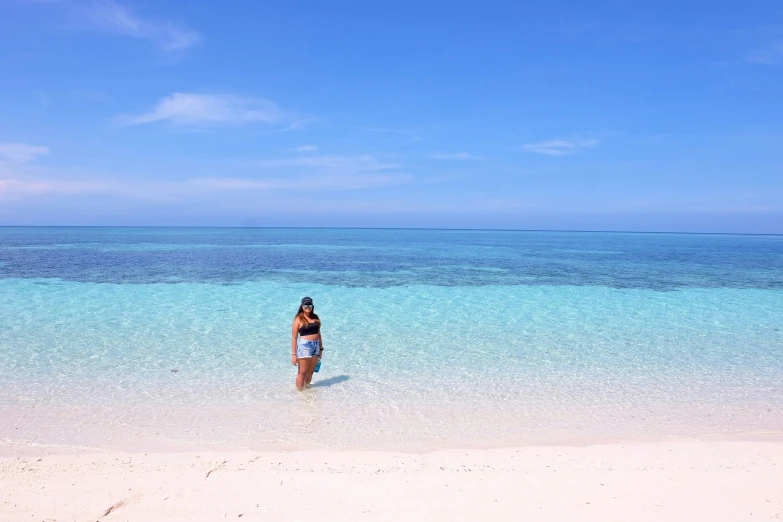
x,y
433,338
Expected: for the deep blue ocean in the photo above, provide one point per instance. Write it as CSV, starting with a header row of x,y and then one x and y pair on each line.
x,y
135,338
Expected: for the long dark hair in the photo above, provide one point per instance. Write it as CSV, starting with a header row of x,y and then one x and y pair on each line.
x,y
301,314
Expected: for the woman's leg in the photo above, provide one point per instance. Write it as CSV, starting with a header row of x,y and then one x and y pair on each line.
x,y
311,370
304,368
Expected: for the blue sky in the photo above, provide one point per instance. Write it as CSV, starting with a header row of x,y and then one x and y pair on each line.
x,y
618,115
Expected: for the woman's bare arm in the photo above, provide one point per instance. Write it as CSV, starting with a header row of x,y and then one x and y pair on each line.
x,y
320,339
294,331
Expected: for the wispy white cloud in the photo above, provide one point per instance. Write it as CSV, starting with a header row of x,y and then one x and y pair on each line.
x,y
209,109
307,148
762,45
467,206
112,16
460,156
346,164
187,189
771,53
335,182
21,152
414,136
327,173
580,28
560,147
48,186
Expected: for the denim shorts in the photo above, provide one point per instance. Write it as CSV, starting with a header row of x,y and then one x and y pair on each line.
x,y
307,349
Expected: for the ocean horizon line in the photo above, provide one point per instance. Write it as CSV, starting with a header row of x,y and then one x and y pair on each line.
x,y
432,229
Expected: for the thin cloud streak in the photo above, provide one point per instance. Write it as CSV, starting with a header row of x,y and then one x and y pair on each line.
x,y
21,152
402,132
326,173
560,147
339,182
473,205
190,109
772,54
362,163
111,16
458,156
166,191
768,45
21,186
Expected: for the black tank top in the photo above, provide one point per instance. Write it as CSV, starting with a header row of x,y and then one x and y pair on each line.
x,y
310,328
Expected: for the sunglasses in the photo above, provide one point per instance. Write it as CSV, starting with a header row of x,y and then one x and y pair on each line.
x,y
307,306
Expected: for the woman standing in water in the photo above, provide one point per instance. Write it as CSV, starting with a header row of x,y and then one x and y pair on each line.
x,y
306,346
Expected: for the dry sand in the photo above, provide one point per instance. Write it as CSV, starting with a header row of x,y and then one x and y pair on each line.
x,y
694,481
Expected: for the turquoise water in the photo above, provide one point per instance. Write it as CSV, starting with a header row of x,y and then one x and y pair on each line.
x,y
433,338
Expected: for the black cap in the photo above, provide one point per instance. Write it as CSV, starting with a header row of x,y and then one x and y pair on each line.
x,y
306,300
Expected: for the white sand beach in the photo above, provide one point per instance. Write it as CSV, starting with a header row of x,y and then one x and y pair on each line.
x,y
672,481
